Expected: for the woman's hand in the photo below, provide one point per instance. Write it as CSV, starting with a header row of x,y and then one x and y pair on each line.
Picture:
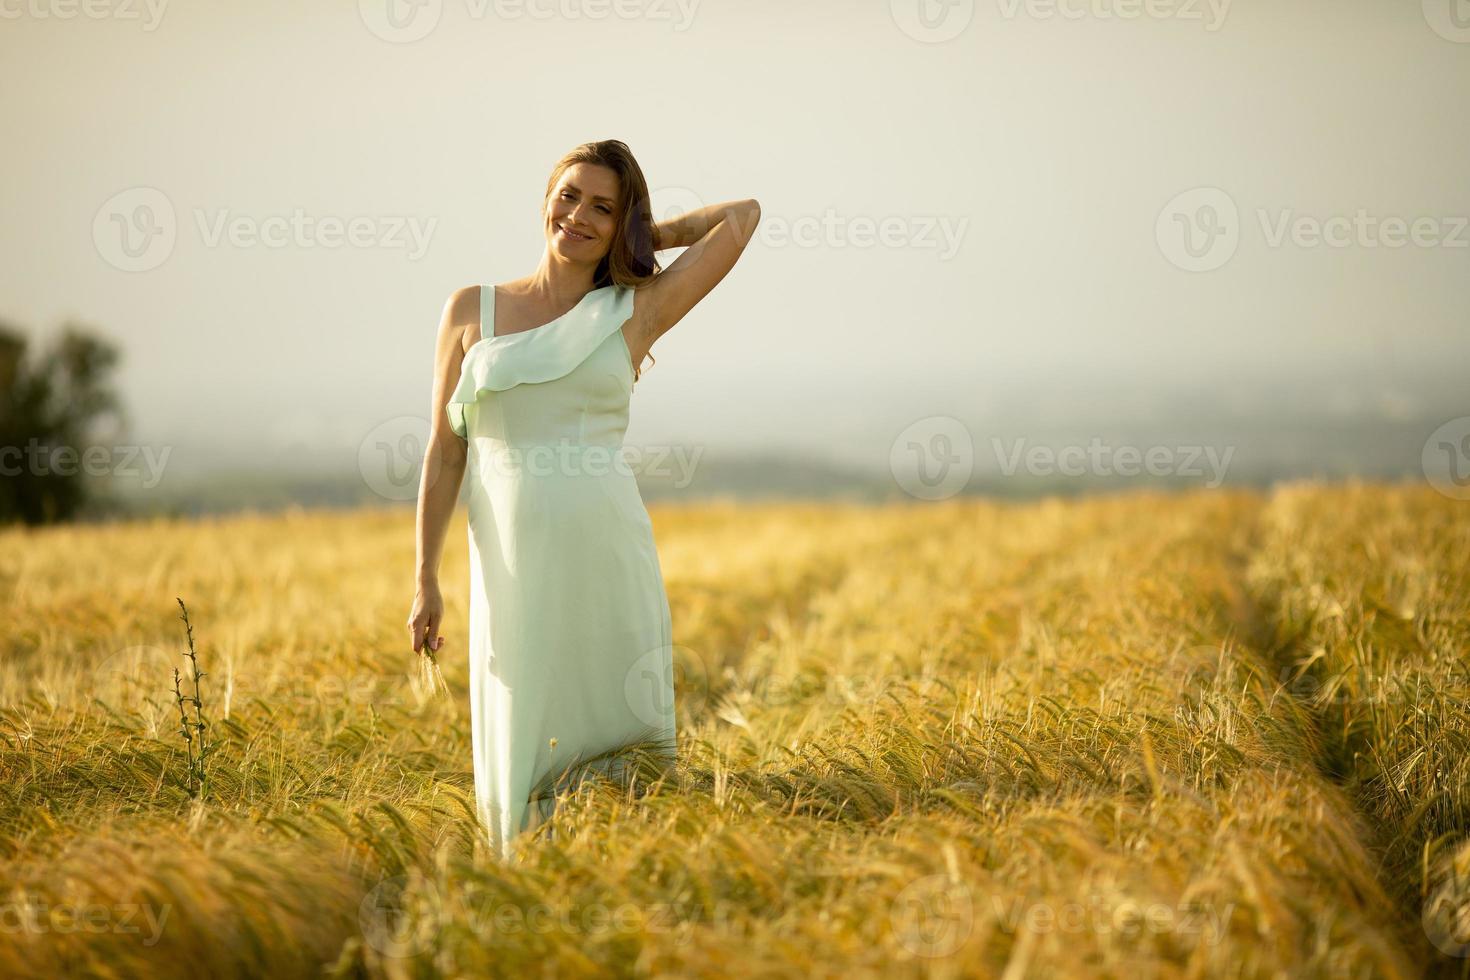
x,y
426,618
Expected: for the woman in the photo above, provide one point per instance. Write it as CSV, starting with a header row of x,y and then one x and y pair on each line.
x,y
570,638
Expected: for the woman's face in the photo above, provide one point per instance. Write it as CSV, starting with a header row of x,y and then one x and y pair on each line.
x,y
583,203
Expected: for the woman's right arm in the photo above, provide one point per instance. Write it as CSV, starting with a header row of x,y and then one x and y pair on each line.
x,y
443,471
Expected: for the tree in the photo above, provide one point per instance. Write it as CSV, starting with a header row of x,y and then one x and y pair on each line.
x,y
48,416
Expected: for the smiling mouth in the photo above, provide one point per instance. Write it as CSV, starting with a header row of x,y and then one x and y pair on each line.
x,y
573,235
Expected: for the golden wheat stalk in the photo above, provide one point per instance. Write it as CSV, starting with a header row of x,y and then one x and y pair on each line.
x,y
429,679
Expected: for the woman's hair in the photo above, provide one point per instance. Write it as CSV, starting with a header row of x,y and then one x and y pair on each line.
x,y
630,259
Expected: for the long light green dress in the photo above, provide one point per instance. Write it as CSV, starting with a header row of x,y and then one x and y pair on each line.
x,y
570,634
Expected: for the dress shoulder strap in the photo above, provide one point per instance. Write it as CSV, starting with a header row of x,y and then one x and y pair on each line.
x,y
487,310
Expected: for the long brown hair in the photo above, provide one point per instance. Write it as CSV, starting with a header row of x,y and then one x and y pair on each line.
x,y
630,259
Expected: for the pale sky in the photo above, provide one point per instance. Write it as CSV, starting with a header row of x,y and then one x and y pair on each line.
x,y
1024,174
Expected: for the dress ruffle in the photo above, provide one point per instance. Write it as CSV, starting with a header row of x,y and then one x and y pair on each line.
x,y
540,354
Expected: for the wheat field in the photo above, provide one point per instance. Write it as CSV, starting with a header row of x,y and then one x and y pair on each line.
x,y
1207,734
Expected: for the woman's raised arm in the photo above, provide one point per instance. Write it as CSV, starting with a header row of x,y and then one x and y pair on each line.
x,y
716,236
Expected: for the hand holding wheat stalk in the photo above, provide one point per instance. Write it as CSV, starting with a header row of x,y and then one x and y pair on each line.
x,y
429,679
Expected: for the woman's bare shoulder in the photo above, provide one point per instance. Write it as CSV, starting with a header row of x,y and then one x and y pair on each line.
x,y
461,316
